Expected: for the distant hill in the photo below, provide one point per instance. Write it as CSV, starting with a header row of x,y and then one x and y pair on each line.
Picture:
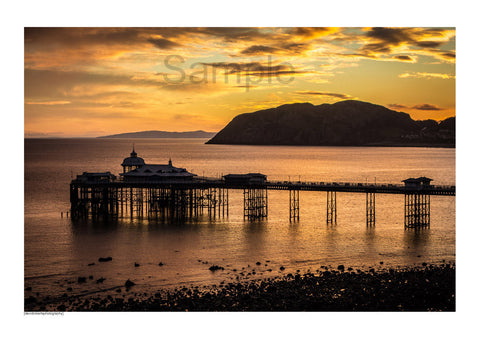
x,y
162,134
345,123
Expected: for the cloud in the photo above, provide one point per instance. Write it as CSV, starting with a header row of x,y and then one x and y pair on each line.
x,y
55,37
232,34
326,94
163,43
427,107
199,87
386,38
127,47
255,69
442,55
58,84
52,87
450,55
386,57
186,116
425,75
314,32
82,48
380,42
420,107
404,58
48,47
245,86
48,103
389,36
259,49
429,44
283,48
397,106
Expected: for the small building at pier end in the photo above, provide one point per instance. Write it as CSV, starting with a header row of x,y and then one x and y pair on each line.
x,y
136,170
417,183
95,177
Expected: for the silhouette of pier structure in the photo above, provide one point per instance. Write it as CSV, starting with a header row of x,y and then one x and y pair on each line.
x,y
165,192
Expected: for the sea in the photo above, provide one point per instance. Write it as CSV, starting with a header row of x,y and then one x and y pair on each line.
x,y
59,250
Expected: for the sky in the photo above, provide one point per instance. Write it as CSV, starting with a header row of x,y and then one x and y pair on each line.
x,y
88,82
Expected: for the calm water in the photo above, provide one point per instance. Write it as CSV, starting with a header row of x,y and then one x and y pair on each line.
x,y
58,250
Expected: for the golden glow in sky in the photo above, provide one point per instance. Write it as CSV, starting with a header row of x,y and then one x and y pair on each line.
x,y
99,81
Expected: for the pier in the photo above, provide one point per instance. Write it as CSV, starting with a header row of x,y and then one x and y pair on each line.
x,y
165,192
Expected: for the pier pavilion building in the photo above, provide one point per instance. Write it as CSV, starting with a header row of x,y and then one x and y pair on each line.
x,y
135,169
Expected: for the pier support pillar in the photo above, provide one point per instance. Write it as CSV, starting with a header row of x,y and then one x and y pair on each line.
x,y
131,202
74,205
178,204
222,201
331,207
255,203
370,209
417,210
294,205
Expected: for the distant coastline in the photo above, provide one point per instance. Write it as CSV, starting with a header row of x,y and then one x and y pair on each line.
x,y
162,134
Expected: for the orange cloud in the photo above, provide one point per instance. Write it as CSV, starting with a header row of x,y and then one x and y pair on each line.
x,y
325,94
425,75
427,107
48,103
401,43
314,32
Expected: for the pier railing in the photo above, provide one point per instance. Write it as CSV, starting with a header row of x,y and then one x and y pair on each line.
x,y
358,187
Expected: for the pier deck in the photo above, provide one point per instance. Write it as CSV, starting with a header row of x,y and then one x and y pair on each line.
x,y
181,200
380,188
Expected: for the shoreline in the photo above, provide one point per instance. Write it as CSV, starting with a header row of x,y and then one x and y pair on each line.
x,y
412,145
396,145
419,288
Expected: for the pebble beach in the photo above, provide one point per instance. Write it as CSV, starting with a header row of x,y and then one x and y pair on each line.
x,y
425,287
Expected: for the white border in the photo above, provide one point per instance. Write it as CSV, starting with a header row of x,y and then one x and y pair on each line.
x,y
242,13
